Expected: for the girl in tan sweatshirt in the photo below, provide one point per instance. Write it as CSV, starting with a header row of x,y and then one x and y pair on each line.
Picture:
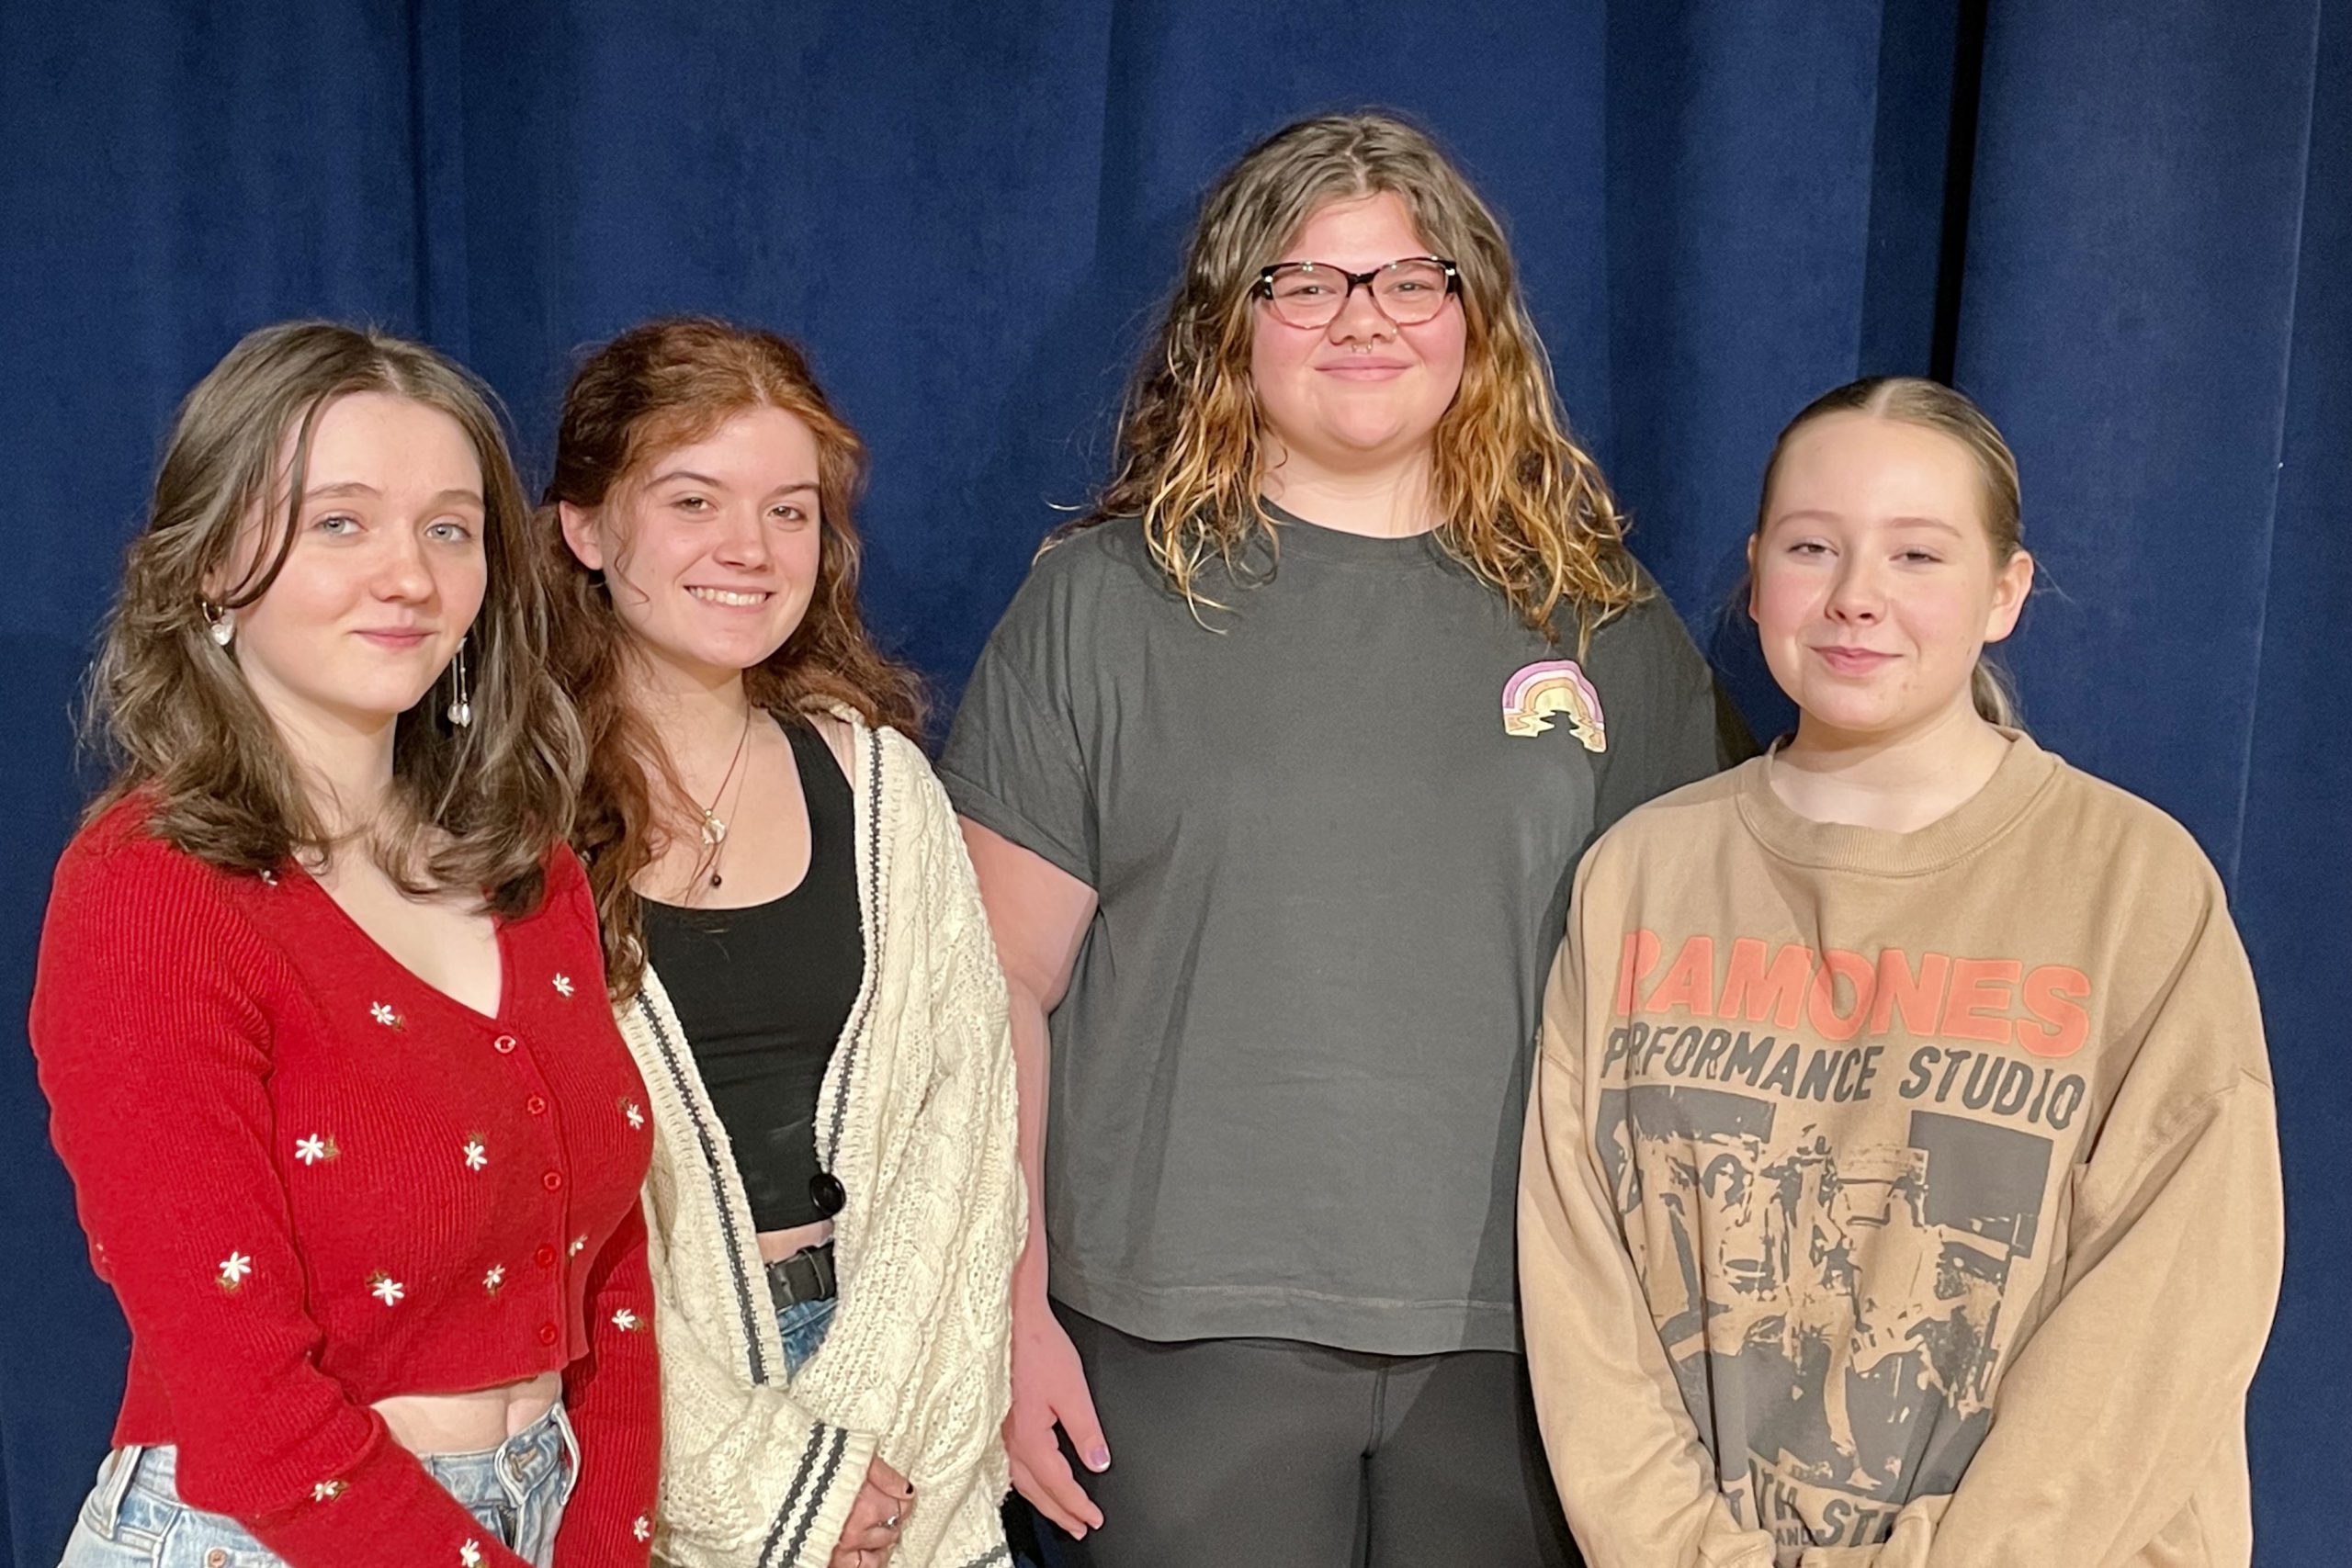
x,y
1901,1180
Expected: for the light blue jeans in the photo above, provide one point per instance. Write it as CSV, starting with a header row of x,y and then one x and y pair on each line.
x,y
803,1326
134,1519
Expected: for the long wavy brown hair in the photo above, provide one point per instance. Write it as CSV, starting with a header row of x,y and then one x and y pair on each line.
x,y
657,387
1521,504
476,807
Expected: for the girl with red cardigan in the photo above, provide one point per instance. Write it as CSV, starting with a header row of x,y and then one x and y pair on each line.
x,y
320,1008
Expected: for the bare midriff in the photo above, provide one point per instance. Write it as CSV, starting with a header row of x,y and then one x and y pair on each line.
x,y
469,1422
776,1245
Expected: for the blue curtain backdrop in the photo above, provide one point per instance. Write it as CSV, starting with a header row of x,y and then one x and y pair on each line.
x,y
2123,227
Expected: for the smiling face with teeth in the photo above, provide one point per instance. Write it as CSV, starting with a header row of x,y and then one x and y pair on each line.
x,y
710,551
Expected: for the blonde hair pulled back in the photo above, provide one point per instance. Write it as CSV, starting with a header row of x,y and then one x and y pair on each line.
x,y
1931,405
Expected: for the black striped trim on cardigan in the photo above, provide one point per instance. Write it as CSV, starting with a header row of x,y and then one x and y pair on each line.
x,y
993,1554
718,1187
816,1495
792,1495
874,959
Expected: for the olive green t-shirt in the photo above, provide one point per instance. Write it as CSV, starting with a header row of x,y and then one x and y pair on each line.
x,y
1331,829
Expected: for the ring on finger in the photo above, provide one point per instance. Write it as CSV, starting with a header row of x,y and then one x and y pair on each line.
x,y
892,1522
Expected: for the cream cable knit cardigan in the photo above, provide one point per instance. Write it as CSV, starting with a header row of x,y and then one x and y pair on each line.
x,y
916,1118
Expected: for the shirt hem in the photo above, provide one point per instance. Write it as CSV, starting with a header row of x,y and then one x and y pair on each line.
x,y
1239,1311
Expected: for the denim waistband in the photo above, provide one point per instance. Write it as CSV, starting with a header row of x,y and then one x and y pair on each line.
x,y
542,1453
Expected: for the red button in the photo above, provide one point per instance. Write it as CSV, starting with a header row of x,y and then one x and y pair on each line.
x,y
503,1044
544,1256
536,1105
547,1334
552,1181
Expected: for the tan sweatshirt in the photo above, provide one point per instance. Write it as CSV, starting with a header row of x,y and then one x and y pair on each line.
x,y
1902,1200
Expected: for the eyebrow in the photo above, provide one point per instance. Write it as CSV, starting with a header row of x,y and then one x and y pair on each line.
x,y
353,487
721,484
1818,515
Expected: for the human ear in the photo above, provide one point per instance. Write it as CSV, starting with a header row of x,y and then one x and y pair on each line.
x,y
580,535
2011,587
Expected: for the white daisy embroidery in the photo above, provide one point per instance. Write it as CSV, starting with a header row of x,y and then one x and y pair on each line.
x,y
635,1114
233,1270
564,985
269,878
314,1148
382,1013
384,1288
326,1491
579,1245
495,1277
475,1155
627,1321
470,1554
642,1528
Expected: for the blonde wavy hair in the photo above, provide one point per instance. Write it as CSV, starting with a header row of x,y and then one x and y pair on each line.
x,y
477,808
1522,506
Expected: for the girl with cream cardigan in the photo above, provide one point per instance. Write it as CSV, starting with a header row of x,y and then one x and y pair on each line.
x,y
800,965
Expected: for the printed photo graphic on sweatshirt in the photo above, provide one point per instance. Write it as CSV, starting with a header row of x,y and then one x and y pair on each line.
x,y
1835,1170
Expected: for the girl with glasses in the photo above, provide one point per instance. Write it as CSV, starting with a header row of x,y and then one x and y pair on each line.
x,y
1274,773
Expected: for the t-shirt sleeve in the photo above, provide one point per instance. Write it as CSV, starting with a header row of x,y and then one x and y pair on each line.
x,y
1669,723
1014,762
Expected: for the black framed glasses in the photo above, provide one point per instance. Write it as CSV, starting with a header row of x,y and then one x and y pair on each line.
x,y
1409,290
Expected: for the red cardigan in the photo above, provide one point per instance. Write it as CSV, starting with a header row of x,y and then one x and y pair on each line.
x,y
314,1182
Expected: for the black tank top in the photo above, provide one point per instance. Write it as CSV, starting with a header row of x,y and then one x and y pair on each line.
x,y
763,993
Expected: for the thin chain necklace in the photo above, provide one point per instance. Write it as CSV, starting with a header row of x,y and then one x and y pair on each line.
x,y
713,827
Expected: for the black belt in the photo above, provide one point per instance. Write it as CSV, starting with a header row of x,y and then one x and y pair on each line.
x,y
806,1276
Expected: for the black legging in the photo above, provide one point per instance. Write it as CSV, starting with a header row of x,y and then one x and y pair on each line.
x,y
1228,1451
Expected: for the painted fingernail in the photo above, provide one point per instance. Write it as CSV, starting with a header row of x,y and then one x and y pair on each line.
x,y
1099,1459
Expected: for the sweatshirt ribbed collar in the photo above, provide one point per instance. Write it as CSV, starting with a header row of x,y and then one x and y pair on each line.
x,y
2024,774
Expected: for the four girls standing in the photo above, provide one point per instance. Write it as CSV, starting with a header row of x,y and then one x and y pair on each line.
x,y
1883,1085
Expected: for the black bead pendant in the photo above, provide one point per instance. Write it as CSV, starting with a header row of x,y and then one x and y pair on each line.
x,y
825,1191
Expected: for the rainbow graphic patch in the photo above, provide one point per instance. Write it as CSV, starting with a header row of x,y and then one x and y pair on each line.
x,y
1554,685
